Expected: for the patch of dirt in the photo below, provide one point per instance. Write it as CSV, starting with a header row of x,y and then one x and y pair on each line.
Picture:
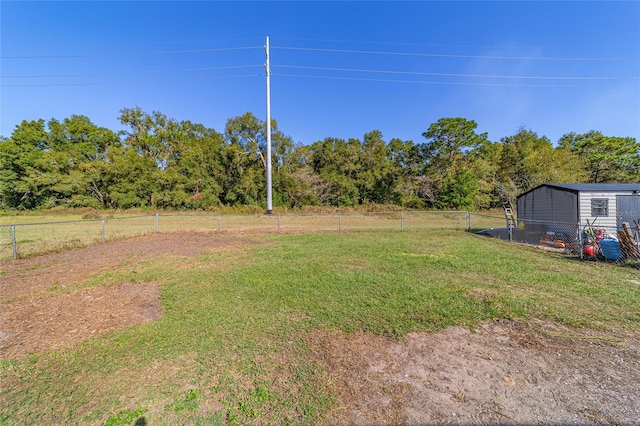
x,y
33,320
505,373
63,320
27,276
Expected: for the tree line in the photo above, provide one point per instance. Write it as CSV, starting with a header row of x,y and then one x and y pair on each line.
x,y
159,162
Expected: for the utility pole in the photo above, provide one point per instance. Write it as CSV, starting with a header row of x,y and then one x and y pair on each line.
x,y
268,70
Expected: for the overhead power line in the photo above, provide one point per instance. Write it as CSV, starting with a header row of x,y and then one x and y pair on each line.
x,y
100,55
436,74
156,43
439,55
445,83
133,72
465,46
129,82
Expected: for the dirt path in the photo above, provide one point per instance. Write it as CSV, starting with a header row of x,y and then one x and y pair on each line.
x,y
506,372
503,373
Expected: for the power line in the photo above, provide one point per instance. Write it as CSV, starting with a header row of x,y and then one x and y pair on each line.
x,y
455,75
100,55
133,72
128,82
447,83
321,69
467,46
151,43
438,55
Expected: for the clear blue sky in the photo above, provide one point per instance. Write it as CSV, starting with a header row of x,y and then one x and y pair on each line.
x,y
339,69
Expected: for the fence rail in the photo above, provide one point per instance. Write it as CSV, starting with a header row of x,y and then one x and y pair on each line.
x,y
27,239
588,242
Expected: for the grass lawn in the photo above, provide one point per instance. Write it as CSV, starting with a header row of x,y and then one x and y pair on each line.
x,y
38,233
232,346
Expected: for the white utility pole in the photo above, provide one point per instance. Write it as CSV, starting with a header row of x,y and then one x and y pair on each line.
x,y
268,70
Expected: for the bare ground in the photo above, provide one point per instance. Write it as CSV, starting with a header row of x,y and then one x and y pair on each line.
x,y
505,372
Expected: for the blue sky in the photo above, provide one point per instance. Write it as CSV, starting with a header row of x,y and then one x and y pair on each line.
x,y
339,69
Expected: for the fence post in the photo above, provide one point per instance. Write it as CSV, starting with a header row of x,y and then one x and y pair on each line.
x,y
401,222
14,242
339,222
580,243
278,223
468,221
218,223
103,231
157,222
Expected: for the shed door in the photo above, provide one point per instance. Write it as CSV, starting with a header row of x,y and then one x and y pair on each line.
x,y
628,209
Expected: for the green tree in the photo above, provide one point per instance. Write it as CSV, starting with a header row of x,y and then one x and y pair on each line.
x,y
484,162
528,160
446,152
21,155
608,158
154,135
128,178
246,163
77,147
377,174
411,187
338,163
182,162
201,166
45,166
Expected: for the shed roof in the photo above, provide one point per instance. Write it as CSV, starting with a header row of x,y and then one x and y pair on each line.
x,y
589,187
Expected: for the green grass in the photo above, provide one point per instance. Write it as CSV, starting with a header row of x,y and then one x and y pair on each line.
x,y
232,346
37,234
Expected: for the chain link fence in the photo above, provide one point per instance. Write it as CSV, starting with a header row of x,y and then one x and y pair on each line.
x,y
585,241
20,240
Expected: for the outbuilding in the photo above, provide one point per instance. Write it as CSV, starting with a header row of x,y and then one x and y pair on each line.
x,y
604,205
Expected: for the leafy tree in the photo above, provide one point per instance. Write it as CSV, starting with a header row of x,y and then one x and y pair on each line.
x,y
338,163
181,161
20,157
45,166
128,179
528,160
446,152
411,187
201,166
152,135
608,158
377,175
77,147
246,159
484,162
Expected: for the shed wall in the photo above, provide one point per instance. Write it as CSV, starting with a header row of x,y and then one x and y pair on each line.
x,y
609,221
549,204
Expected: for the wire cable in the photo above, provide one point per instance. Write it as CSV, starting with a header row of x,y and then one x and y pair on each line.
x,y
467,46
454,74
128,82
438,55
133,72
104,55
447,83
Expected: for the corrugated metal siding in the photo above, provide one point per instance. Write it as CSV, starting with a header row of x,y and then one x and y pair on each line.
x,y
585,208
628,209
548,204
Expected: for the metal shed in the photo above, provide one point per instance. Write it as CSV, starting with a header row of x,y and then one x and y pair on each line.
x,y
605,205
